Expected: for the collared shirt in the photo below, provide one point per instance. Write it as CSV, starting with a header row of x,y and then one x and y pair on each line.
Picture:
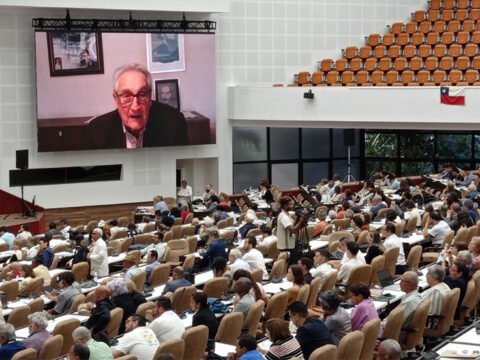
x,y
131,272
42,271
149,268
362,313
321,271
65,300
346,269
244,304
140,342
132,141
252,355
255,260
438,232
394,240
99,350
339,324
167,326
185,191
9,238
239,264
36,339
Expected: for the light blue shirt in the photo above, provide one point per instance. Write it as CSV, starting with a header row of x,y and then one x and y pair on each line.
x,y
9,238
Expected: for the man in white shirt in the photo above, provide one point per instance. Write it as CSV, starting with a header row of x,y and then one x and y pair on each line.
x,y
436,293
236,261
185,193
23,232
320,259
138,339
391,239
266,237
166,324
253,257
347,267
438,231
65,228
130,265
342,249
157,245
98,255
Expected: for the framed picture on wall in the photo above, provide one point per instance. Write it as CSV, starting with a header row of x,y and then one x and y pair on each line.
x,y
165,53
74,53
166,92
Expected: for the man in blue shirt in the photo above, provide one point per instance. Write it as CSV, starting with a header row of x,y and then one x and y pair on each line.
x,y
312,333
152,261
45,250
10,345
215,249
246,349
7,236
178,281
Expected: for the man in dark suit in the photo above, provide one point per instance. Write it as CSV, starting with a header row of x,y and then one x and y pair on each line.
x,y
215,249
138,121
177,281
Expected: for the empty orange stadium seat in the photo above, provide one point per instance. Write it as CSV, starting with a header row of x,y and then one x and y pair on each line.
x,y
439,50
424,27
410,27
447,38
448,4
462,4
424,50
471,76
347,77
462,37
350,52
475,4
396,28
400,64
475,14
391,77
453,26
394,51
365,52
433,15
356,64
468,25
303,77
415,63
455,76
419,16
332,77
377,77
362,77
476,63
446,63
317,77
388,39
461,14
462,63
455,50
470,50
407,77
403,39
416,39
423,76
434,4
438,26
373,39
370,64
432,38
326,65
341,65
409,51
380,51
476,37
447,15
431,63
385,64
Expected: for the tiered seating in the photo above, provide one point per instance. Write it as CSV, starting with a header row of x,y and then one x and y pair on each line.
x,y
437,47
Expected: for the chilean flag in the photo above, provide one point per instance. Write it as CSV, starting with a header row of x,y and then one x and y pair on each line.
x,y
452,95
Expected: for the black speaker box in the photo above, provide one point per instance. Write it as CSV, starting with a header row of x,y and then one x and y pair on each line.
x,y
349,137
22,159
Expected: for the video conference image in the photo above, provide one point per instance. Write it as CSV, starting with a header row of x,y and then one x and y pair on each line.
x,y
124,90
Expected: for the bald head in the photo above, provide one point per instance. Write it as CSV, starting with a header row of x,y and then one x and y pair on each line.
x,y
102,292
16,266
409,281
243,286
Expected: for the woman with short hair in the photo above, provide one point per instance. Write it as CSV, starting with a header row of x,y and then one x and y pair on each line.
x,y
364,310
284,345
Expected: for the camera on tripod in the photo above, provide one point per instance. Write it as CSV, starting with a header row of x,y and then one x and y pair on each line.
x,y
306,211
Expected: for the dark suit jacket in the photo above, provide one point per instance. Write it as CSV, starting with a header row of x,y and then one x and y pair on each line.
x,y
173,285
215,249
100,316
166,126
312,335
206,317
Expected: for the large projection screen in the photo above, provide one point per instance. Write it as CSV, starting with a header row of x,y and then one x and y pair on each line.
x,y
80,108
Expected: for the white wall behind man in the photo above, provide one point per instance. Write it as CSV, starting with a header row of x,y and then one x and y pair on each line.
x,y
258,42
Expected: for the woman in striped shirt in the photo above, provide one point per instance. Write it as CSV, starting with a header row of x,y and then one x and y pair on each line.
x,y
284,345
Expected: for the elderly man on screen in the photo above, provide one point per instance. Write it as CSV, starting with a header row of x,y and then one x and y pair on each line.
x,y
137,121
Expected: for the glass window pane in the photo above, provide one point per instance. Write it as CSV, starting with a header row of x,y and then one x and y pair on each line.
x,y
416,168
416,145
341,167
457,146
477,146
372,168
339,149
313,172
380,145
246,175
315,143
283,143
285,175
249,144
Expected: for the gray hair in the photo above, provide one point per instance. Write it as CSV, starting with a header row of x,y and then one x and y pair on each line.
x,y
437,272
39,318
237,254
466,256
8,332
100,231
81,333
118,286
377,198
392,348
322,215
412,277
332,214
127,67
